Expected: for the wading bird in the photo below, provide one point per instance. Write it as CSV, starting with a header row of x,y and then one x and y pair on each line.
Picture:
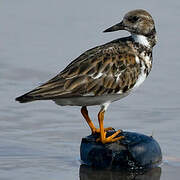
x,y
105,73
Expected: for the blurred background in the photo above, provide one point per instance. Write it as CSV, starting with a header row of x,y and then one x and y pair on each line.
x,y
38,38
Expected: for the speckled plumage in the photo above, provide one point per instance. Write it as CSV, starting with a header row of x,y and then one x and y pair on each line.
x,y
103,70
107,72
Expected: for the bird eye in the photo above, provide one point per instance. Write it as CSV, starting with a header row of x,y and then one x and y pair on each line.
x,y
133,19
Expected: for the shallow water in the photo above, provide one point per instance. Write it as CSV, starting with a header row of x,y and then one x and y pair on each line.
x,y
41,140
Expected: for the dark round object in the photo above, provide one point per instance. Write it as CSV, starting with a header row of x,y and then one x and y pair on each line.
x,y
135,151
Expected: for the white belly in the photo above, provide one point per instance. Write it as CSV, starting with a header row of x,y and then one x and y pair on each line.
x,y
140,80
89,100
142,76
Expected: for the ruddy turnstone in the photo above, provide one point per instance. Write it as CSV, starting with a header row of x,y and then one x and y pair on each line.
x,y
105,73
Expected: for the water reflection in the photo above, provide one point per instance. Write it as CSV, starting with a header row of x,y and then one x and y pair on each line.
x,y
88,173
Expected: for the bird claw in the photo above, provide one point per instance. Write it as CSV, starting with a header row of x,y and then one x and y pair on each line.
x,y
97,130
99,139
110,138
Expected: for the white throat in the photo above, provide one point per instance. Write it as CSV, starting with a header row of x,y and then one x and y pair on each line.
x,y
141,39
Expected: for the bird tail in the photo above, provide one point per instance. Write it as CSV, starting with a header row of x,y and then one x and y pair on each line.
x,y
46,91
25,98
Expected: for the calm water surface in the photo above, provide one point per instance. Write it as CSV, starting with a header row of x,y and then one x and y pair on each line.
x,y
38,38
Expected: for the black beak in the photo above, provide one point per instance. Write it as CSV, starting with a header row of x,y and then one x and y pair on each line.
x,y
116,27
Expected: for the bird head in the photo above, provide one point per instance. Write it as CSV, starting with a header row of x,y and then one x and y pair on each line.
x,y
136,22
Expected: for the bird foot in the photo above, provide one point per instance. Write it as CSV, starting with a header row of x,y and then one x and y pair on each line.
x,y
97,130
111,138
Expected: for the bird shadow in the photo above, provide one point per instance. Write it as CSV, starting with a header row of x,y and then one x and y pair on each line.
x,y
89,173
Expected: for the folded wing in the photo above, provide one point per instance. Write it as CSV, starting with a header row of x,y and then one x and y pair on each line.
x,y
99,71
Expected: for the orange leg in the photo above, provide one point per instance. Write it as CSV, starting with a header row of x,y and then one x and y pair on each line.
x,y
103,138
84,112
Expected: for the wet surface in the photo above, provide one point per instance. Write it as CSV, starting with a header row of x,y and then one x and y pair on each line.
x,y
41,140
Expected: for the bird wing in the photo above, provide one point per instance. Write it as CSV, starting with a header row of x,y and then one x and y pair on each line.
x,y
106,69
